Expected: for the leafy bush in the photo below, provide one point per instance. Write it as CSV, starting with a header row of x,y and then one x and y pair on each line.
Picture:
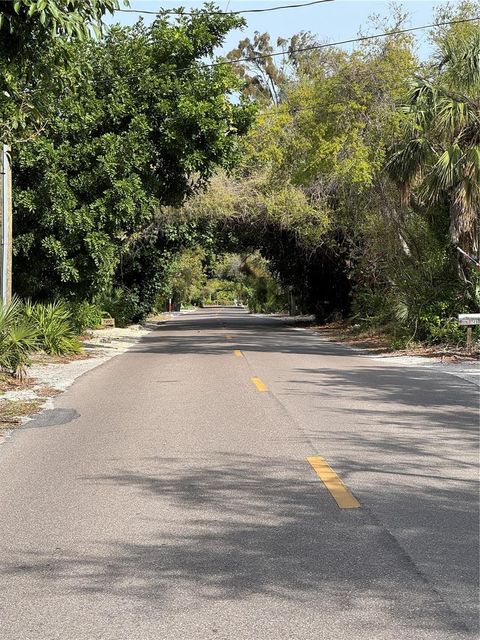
x,y
18,338
85,315
267,296
373,308
125,306
54,326
223,292
437,324
409,286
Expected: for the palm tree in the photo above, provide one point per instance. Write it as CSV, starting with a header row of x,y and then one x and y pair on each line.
x,y
439,158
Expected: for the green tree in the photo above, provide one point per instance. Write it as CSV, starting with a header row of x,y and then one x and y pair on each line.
x,y
34,57
186,277
313,164
439,157
146,128
266,74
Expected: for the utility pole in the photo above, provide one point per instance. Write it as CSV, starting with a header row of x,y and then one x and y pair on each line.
x,y
6,224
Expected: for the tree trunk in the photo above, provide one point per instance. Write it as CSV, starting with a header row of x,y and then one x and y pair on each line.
x,y
464,223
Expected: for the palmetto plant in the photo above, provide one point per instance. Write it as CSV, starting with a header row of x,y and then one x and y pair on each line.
x,y
54,327
440,154
18,338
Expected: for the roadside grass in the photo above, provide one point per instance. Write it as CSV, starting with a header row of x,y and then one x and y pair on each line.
x,y
12,411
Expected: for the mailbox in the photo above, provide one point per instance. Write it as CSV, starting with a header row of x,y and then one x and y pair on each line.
x,y
468,319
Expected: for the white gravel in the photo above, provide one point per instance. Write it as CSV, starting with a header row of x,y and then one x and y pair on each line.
x,y
466,369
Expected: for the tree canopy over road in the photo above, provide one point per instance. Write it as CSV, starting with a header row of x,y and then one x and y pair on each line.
x,y
356,175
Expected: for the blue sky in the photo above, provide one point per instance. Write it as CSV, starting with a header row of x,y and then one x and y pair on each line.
x,y
337,20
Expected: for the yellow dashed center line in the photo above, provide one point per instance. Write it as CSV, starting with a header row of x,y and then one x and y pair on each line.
x,y
238,353
228,337
261,386
339,491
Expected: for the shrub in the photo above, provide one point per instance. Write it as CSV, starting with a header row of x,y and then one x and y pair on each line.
x,y
125,306
53,322
18,338
438,324
85,315
267,296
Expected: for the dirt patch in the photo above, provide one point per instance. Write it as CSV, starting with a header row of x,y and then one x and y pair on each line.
x,y
47,392
10,383
12,411
45,358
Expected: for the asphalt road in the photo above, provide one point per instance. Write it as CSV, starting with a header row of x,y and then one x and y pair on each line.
x,y
168,497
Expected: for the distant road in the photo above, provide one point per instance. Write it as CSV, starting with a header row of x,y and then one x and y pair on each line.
x,y
231,478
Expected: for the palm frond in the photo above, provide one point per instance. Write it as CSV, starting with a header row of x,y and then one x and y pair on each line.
x,y
460,60
9,314
453,117
443,175
406,163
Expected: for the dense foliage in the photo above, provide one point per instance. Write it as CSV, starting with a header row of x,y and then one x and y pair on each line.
x,y
197,277
26,328
145,127
361,177
35,61
351,192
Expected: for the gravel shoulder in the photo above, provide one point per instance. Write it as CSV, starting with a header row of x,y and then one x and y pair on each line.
x,y
467,369
456,363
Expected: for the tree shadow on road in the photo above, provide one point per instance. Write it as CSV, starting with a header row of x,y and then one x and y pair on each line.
x,y
237,528
392,414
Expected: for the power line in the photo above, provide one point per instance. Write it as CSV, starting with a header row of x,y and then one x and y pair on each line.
x,y
316,47
326,45
221,13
